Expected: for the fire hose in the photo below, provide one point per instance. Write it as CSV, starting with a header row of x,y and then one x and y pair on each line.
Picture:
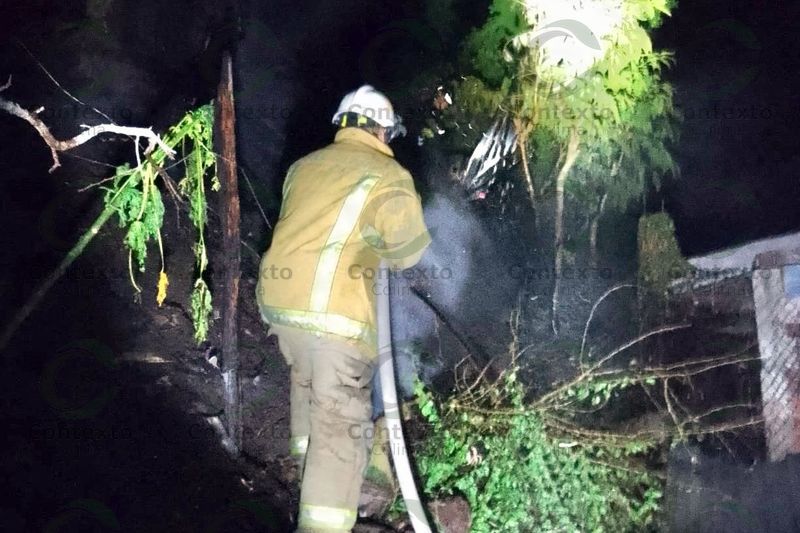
x,y
397,443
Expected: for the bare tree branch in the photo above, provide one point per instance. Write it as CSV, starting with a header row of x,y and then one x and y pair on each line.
x,y
56,145
594,309
684,370
671,409
611,437
592,370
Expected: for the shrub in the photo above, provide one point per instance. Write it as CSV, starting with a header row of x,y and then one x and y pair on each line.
x,y
520,472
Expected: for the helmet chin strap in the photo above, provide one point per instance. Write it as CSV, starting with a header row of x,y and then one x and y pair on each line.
x,y
398,130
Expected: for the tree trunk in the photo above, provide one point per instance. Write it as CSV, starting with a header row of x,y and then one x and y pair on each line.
x,y
226,128
593,255
523,133
600,208
558,238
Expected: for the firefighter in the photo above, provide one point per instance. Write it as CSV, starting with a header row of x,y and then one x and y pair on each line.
x,y
345,208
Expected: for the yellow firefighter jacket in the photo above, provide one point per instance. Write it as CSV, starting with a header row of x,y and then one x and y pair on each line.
x,y
345,207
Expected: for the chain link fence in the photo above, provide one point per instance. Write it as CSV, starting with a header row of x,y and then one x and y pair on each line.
x,y
776,293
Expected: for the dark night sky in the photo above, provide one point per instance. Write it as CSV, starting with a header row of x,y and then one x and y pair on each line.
x,y
736,74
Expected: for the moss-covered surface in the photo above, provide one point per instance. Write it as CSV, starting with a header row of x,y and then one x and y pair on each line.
x,y
660,257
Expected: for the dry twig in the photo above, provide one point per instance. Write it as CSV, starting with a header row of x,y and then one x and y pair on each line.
x,y
592,370
591,314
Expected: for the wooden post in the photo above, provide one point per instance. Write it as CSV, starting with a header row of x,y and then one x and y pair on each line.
x,y
226,136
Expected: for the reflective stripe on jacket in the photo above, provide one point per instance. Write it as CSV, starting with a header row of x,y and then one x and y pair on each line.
x,y
344,208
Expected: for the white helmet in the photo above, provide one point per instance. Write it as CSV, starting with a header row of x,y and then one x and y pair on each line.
x,y
367,103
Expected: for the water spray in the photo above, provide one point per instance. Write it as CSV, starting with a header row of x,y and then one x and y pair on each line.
x,y
391,407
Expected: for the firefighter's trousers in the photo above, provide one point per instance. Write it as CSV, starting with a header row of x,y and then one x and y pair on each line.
x,y
331,412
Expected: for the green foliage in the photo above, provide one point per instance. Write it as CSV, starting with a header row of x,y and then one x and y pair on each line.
x,y
651,12
476,110
475,97
201,309
484,47
198,128
520,472
139,208
137,201
621,108
636,154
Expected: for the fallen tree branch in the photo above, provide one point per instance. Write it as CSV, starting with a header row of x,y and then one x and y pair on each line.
x,y
685,370
592,370
57,145
693,368
608,437
225,131
671,409
697,417
611,437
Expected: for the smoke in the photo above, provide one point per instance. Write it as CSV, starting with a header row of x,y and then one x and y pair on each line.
x,y
443,277
456,301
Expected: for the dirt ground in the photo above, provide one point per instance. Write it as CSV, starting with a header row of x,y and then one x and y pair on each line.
x,y
109,407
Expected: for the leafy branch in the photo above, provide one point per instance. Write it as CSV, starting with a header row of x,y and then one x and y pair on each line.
x,y
136,199
133,195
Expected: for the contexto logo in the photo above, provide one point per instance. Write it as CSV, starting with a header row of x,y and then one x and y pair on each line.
x,y
389,208
75,382
569,39
565,29
83,515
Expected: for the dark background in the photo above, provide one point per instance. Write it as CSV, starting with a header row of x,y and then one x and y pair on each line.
x,y
736,75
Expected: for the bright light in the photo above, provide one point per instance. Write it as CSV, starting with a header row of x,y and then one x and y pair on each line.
x,y
571,34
